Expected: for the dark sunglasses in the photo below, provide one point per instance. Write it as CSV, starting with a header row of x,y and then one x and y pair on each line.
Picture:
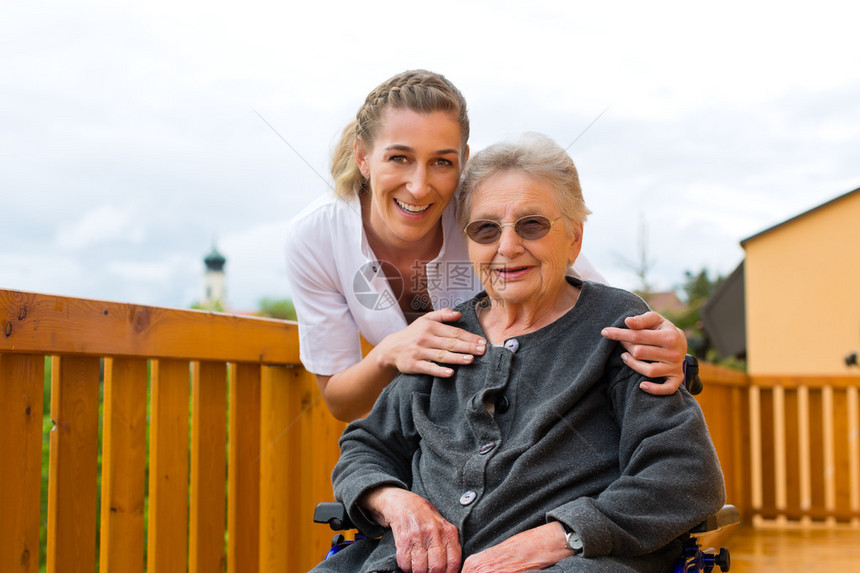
x,y
530,228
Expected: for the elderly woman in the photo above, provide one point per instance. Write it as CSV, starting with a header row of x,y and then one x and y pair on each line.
x,y
543,453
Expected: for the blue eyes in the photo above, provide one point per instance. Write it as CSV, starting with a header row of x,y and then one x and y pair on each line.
x,y
402,159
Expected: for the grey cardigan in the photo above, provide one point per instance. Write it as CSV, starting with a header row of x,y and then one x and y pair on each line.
x,y
572,438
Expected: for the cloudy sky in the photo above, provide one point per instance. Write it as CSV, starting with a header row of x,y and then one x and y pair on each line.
x,y
131,136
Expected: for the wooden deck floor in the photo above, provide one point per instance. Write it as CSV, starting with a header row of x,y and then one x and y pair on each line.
x,y
766,550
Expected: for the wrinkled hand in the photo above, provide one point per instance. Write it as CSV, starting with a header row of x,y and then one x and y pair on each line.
x,y
425,541
418,348
655,348
530,550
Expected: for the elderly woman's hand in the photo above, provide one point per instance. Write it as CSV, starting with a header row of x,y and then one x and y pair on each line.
x,y
418,348
425,541
655,348
530,550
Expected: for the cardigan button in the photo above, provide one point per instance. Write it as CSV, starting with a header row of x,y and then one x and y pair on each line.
x,y
502,404
487,448
468,497
512,344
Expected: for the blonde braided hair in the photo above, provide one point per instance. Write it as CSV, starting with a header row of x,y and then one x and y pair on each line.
x,y
417,90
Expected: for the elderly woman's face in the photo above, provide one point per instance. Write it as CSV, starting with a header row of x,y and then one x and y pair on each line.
x,y
511,268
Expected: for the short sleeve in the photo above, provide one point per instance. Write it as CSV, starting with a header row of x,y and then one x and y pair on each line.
x,y
328,335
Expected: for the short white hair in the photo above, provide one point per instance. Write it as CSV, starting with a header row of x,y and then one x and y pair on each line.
x,y
537,156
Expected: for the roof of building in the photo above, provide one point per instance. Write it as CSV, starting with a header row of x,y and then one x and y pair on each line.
x,y
664,302
800,216
724,315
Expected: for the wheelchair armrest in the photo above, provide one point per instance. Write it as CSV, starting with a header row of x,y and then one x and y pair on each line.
x,y
727,515
333,513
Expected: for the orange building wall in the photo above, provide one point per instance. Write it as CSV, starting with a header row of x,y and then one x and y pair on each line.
x,y
803,293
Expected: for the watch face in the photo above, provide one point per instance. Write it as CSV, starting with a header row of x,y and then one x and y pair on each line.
x,y
574,542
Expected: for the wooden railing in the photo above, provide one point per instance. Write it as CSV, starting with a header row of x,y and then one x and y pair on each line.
x,y
197,405
789,446
725,403
230,411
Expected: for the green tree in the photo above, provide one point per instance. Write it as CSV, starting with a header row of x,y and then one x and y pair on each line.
x,y
696,289
277,308
216,306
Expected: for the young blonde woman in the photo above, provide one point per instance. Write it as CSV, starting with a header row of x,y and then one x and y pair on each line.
x,y
384,258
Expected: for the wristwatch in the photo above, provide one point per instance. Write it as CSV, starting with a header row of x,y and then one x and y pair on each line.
x,y
572,540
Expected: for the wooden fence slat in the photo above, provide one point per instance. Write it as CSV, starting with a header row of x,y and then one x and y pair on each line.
x,y
742,492
167,546
21,398
842,458
73,467
280,480
805,456
829,455
321,440
123,466
243,497
792,455
854,454
208,467
756,470
779,454
305,559
817,463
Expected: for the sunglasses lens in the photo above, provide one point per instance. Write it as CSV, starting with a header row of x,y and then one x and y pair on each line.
x,y
532,228
529,228
483,232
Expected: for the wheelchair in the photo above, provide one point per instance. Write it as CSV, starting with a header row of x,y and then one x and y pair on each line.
x,y
693,558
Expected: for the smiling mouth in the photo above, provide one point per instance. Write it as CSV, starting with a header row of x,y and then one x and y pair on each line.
x,y
409,208
509,270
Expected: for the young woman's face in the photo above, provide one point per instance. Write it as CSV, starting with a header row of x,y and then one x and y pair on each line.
x,y
414,169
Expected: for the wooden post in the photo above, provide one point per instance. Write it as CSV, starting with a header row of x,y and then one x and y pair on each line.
x,y
829,455
73,467
168,468
208,467
243,503
320,434
21,397
805,469
780,475
279,468
123,466
854,451
755,454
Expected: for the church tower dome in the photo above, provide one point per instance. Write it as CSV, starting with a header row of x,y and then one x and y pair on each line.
x,y
214,281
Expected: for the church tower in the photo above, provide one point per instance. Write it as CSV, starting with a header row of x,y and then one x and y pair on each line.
x,y
214,282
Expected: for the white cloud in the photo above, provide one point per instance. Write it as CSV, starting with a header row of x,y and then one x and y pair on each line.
x,y
100,225
129,142
142,271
